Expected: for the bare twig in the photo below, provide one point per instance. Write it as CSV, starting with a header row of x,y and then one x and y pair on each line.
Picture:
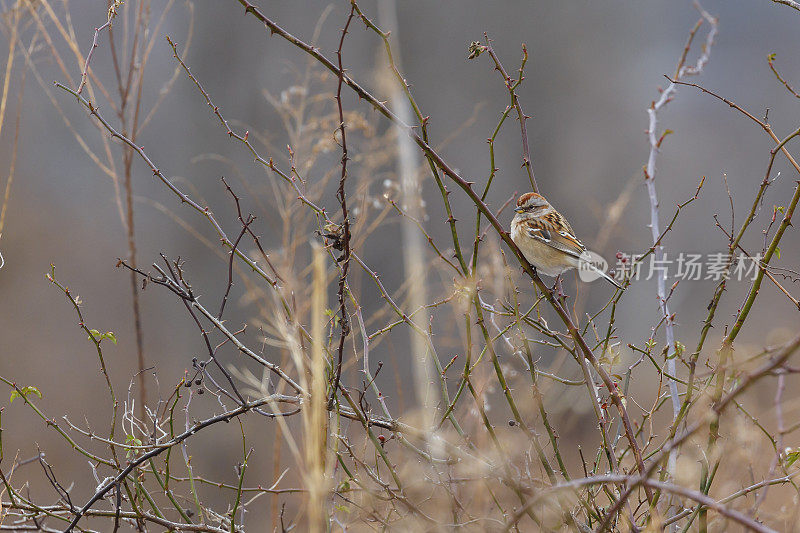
x,y
655,140
791,3
466,186
771,62
344,239
112,13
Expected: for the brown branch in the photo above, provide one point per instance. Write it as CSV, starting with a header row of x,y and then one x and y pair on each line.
x,y
511,86
770,61
344,240
699,497
780,357
466,186
224,417
791,3
85,73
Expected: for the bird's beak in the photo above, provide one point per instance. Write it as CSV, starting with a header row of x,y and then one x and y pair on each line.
x,y
519,210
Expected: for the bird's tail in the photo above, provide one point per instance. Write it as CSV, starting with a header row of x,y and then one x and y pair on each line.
x,y
601,273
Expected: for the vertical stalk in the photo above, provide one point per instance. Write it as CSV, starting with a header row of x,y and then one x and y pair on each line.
x,y
314,417
413,245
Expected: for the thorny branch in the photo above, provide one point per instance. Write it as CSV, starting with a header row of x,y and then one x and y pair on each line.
x,y
466,186
343,241
512,468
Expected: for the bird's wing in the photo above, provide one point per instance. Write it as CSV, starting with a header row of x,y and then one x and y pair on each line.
x,y
553,230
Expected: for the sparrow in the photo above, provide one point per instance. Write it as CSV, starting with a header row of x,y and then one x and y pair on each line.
x,y
546,239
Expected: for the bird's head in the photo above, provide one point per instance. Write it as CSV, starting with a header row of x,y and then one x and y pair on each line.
x,y
529,202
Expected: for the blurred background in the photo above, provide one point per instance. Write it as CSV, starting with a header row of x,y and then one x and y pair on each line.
x,y
593,70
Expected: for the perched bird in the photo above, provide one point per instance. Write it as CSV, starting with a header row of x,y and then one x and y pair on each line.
x,y
546,239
